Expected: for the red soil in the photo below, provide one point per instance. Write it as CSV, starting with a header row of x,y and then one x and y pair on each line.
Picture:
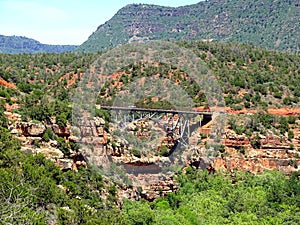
x,y
7,84
273,111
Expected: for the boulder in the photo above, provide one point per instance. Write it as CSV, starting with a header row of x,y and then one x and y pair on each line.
x,y
73,138
61,131
99,121
28,150
31,129
65,164
53,143
14,131
52,153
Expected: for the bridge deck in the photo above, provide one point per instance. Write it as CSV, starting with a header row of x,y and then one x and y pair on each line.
x,y
173,111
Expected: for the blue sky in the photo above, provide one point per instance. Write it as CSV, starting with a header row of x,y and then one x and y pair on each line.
x,y
63,21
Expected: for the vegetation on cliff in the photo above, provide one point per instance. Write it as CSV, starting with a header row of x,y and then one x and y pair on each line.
x,y
272,24
35,191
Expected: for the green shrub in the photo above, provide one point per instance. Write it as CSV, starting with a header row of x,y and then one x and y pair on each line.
x,y
36,143
164,151
61,119
136,153
290,135
48,135
256,142
222,148
63,146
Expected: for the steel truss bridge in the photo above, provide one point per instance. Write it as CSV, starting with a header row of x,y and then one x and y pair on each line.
x,y
174,122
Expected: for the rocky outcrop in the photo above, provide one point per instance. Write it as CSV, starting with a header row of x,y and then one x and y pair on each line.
x,y
256,165
275,152
65,164
61,131
233,140
148,186
158,186
54,154
91,128
31,136
31,129
12,117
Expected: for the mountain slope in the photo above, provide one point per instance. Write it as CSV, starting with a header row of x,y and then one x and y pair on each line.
x,y
17,44
271,24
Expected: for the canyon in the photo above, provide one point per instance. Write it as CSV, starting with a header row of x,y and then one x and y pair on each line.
x,y
237,154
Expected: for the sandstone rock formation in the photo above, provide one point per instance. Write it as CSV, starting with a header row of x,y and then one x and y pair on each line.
x,y
31,129
275,152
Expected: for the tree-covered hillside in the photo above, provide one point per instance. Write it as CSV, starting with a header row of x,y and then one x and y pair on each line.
x,y
271,24
250,77
33,190
17,44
